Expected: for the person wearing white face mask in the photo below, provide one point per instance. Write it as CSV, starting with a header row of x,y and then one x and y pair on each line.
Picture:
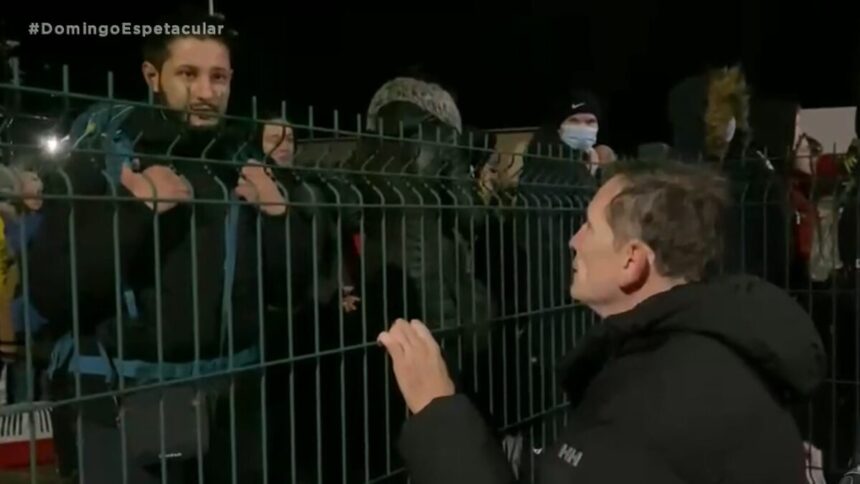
x,y
579,130
572,133
580,127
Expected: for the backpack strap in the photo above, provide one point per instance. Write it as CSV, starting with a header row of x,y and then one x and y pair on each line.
x,y
105,121
102,124
230,239
142,372
146,371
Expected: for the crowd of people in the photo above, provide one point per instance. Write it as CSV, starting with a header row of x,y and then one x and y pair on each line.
x,y
173,246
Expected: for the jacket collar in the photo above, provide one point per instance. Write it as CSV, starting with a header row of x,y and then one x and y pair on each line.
x,y
619,333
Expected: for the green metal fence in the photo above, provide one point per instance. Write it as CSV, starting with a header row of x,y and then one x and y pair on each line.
x,y
420,222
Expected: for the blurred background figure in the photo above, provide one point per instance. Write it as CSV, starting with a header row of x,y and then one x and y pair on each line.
x,y
709,113
19,217
571,130
278,141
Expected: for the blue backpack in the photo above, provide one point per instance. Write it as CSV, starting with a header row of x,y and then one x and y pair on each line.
x,y
99,118
100,128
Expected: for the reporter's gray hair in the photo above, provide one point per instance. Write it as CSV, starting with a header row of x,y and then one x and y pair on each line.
x,y
677,209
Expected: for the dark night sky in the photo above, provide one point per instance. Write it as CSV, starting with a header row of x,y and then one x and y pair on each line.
x,y
505,66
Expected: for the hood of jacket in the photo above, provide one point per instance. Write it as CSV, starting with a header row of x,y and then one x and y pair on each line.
x,y
700,109
773,121
757,320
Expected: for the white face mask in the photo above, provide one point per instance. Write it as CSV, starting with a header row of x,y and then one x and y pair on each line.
x,y
579,136
730,129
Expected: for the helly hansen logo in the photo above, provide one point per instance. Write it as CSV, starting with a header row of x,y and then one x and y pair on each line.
x,y
570,455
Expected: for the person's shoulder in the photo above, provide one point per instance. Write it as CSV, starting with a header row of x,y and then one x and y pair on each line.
x,y
99,117
79,165
669,375
689,395
697,360
711,400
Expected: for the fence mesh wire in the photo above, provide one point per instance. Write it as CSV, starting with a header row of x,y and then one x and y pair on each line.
x,y
109,306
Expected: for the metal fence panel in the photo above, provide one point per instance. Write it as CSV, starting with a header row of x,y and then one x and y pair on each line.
x,y
427,223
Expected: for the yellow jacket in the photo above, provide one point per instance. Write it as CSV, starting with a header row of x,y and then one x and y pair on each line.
x,y
9,278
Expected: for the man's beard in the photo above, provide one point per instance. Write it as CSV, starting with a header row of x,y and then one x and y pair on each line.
x,y
183,115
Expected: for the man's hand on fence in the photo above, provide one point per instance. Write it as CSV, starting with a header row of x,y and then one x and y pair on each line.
x,y
156,182
419,368
257,186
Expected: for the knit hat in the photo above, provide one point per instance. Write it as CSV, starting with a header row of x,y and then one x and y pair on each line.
x,y
429,97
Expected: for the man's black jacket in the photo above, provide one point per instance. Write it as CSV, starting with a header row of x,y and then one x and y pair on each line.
x,y
690,386
184,248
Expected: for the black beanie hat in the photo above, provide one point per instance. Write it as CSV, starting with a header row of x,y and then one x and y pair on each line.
x,y
579,101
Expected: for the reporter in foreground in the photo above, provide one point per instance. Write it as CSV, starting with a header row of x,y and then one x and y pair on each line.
x,y
688,379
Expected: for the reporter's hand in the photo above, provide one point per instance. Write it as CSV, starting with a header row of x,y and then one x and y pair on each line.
x,y
156,182
419,368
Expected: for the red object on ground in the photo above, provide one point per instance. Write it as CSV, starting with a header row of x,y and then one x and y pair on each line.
x,y
17,455
15,440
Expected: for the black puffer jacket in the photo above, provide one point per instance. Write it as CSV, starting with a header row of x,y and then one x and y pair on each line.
x,y
692,385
